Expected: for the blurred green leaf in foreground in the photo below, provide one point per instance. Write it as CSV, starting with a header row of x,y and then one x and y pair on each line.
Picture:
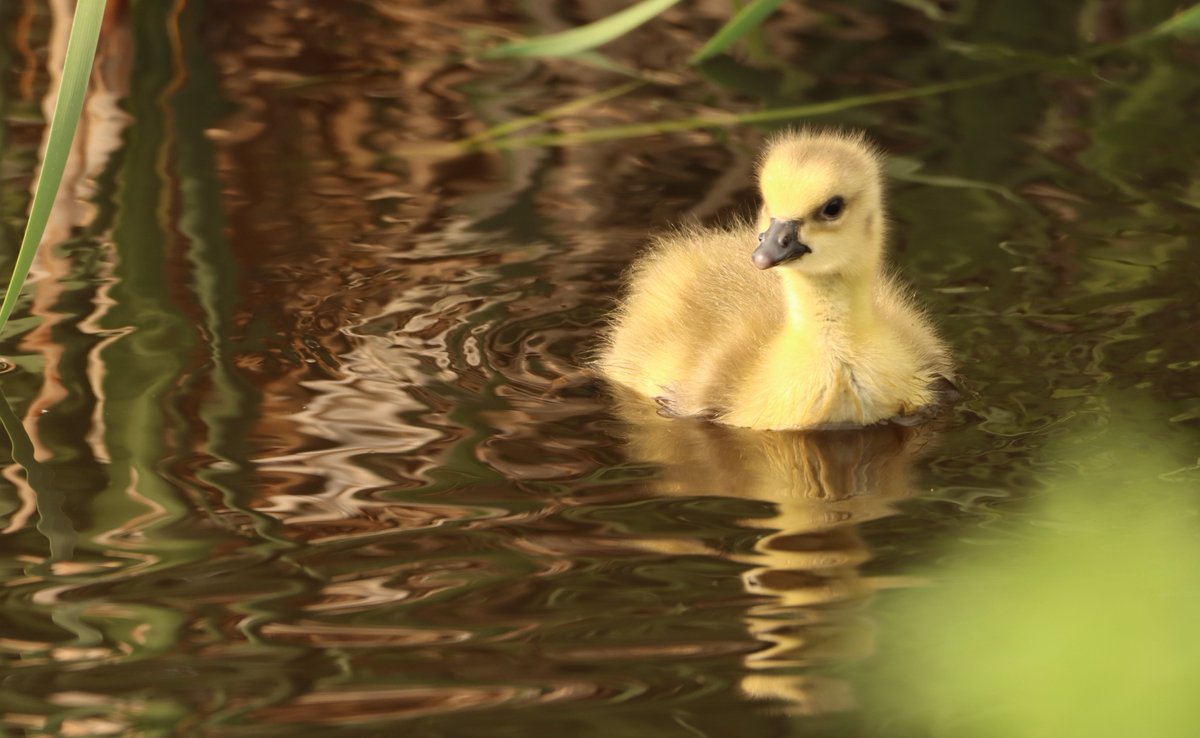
x,y
1082,621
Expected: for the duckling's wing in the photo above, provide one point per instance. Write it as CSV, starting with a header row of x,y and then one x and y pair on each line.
x,y
895,300
695,312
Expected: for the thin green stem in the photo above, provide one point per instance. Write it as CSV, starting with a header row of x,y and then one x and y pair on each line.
x,y
77,70
760,116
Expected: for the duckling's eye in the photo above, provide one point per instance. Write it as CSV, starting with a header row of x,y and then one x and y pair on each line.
x,y
832,209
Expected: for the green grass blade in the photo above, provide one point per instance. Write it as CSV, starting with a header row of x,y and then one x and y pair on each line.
x,y
77,70
928,8
745,21
760,116
574,106
584,37
1186,22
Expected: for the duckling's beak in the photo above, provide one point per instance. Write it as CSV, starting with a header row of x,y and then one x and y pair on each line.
x,y
779,243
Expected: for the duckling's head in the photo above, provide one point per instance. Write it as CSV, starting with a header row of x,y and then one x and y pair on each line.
x,y
822,208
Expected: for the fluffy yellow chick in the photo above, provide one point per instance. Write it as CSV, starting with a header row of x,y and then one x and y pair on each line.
x,y
791,323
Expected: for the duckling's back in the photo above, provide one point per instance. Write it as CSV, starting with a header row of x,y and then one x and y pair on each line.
x,y
697,312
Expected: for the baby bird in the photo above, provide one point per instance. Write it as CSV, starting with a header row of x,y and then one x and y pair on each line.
x,y
792,323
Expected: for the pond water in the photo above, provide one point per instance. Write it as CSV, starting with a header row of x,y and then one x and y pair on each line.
x,y
300,442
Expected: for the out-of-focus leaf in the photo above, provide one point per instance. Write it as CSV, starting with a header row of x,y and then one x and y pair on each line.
x,y
930,9
1180,24
607,63
746,20
1099,637
1001,54
585,37
907,169
77,70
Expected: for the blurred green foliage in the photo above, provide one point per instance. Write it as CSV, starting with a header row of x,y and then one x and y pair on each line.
x,y
1080,622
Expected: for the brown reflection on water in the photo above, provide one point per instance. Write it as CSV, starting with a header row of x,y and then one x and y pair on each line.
x,y
366,706
806,565
98,136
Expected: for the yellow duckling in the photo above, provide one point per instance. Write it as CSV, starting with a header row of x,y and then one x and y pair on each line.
x,y
807,330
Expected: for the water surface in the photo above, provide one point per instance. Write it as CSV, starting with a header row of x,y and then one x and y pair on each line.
x,y
300,440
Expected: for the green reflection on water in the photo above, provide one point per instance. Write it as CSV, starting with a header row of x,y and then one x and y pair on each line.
x,y
148,382
52,521
143,367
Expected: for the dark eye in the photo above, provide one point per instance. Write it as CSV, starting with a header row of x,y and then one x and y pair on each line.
x,y
832,209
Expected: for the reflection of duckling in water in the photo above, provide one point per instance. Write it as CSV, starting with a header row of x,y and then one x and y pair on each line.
x,y
828,339
824,486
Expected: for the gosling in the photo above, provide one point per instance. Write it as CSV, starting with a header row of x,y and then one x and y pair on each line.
x,y
792,323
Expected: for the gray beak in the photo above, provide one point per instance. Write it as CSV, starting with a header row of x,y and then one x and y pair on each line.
x,y
779,243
